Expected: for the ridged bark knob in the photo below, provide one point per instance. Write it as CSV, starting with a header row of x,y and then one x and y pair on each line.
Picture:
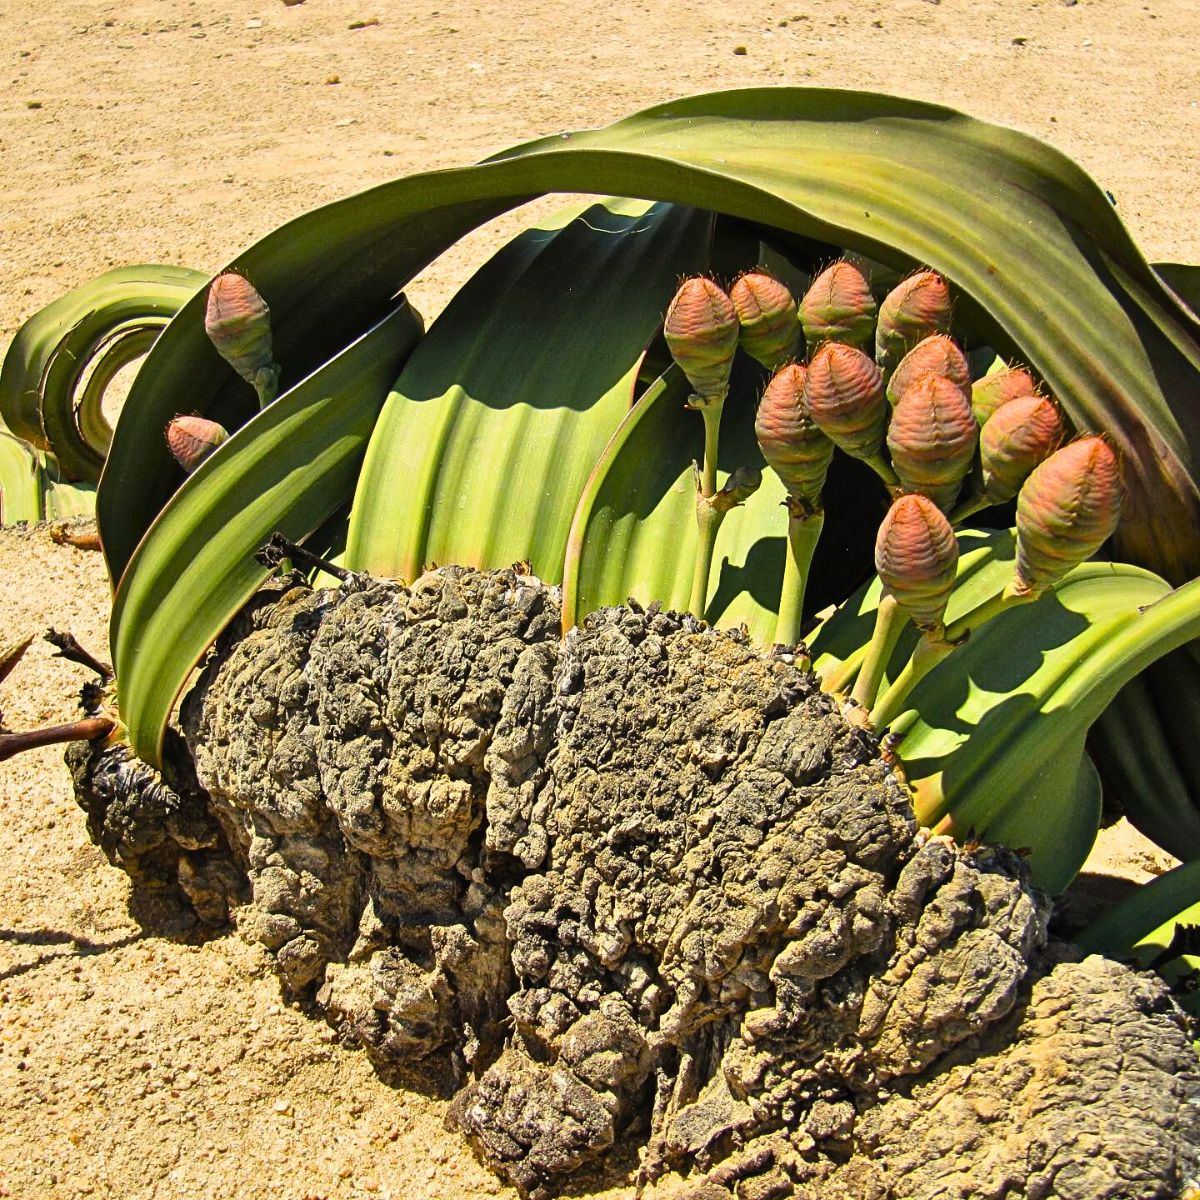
x,y
1015,439
912,310
192,439
794,447
766,311
838,307
997,389
932,439
238,323
937,354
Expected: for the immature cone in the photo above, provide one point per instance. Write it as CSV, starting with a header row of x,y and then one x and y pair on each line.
x,y
192,439
838,307
795,449
934,355
238,322
912,310
701,329
932,439
843,391
916,556
1016,438
1067,509
770,332
992,391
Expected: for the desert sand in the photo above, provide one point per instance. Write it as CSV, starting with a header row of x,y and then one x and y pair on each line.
x,y
138,1064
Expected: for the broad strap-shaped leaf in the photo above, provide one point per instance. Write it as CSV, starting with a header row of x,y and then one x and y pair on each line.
x,y
54,349
634,532
288,470
23,483
487,438
1041,262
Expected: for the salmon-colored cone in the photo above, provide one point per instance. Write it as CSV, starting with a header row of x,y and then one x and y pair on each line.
x,y
934,355
701,329
839,307
932,439
795,449
843,390
995,390
915,308
238,323
1066,510
916,556
192,439
770,331
1017,437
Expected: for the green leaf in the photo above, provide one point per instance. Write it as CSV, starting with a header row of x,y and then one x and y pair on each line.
x,y
23,483
488,436
1042,264
54,349
288,469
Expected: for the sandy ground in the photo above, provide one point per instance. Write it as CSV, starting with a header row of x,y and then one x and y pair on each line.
x,y
141,1066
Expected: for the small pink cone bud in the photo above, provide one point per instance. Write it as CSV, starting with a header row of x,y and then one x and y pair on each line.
x,y
1017,437
912,310
844,393
795,449
1067,509
916,556
934,355
238,323
770,332
992,391
192,439
838,307
701,329
932,439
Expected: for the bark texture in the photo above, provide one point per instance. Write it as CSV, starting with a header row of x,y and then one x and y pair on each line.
x,y
647,882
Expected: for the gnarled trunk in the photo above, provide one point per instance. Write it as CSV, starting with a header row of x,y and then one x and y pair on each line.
x,y
647,882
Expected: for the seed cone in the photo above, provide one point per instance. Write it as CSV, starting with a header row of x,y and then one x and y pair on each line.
x,y
795,449
1016,438
932,439
238,322
915,308
916,556
992,391
838,307
934,355
192,439
770,331
843,391
701,329
1067,509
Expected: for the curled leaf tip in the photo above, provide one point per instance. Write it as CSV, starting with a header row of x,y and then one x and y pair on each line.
x,y
838,307
794,447
766,310
916,557
701,328
1066,510
843,391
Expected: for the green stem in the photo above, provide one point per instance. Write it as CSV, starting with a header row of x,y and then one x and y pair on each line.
x,y
969,507
885,471
804,531
708,518
842,676
930,652
712,428
266,385
890,620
